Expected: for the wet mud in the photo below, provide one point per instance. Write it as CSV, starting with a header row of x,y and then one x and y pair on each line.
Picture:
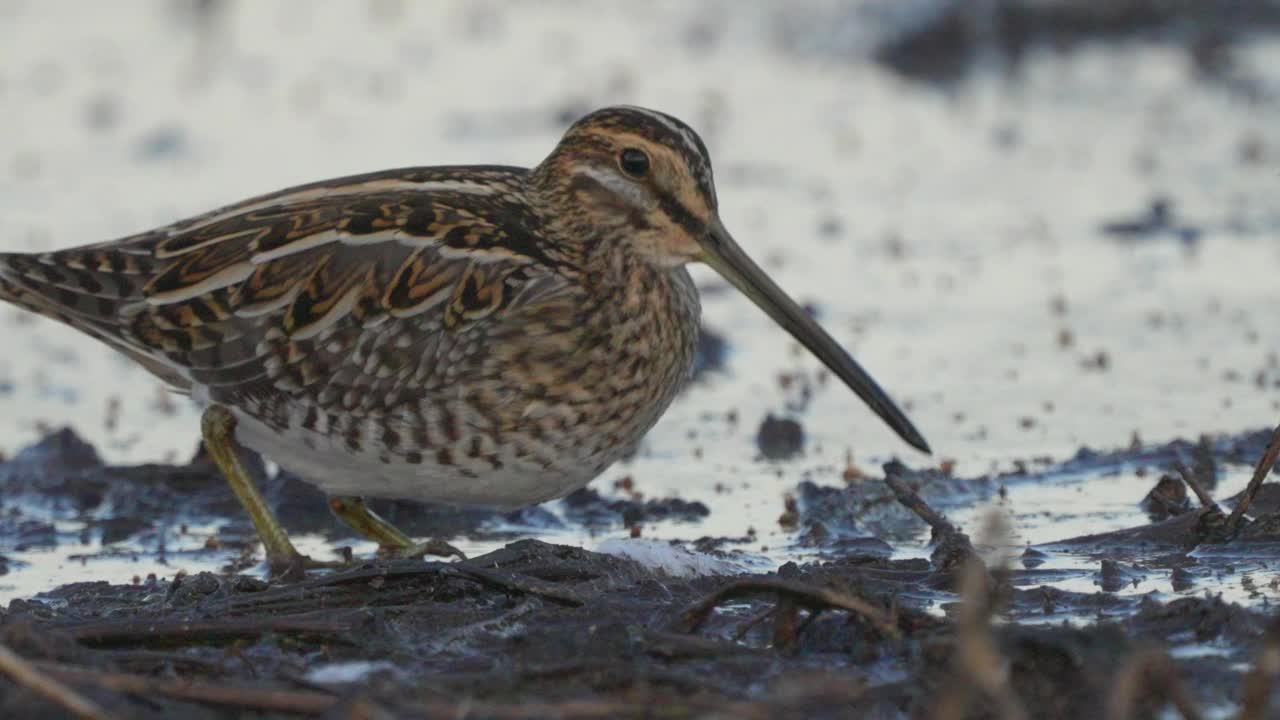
x,y
1068,250
535,629
950,43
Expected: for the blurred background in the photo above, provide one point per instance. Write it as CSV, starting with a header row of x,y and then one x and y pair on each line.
x,y
1041,224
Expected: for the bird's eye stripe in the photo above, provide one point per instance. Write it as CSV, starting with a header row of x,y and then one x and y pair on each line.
x,y
680,215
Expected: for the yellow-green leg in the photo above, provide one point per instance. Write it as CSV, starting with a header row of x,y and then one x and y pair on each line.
x,y
218,427
352,511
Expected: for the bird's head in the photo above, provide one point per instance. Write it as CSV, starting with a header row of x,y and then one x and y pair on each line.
x,y
640,177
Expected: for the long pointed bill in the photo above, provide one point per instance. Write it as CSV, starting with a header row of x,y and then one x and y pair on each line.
x,y
722,253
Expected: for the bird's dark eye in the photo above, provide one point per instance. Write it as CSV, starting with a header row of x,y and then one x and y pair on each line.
x,y
634,162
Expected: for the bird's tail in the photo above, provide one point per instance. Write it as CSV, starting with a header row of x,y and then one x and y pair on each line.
x,y
89,289
19,289
60,285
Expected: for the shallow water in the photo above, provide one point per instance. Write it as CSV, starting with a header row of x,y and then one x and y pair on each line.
x,y
952,237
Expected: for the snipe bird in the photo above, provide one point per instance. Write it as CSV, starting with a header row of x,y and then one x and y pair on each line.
x,y
474,335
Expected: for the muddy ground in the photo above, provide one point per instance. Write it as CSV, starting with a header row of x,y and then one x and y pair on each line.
x,y
1043,224
542,630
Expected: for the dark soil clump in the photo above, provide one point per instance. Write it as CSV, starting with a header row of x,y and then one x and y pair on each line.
x,y
780,438
541,630
489,635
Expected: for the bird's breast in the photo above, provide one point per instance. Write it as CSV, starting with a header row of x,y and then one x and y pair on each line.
x,y
620,359
530,407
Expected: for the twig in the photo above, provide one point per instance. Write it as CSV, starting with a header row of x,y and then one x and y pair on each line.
x,y
978,664
978,652
28,676
786,623
156,658
249,698
670,645
977,657
1206,500
913,502
1148,674
952,701
524,584
754,621
1260,473
329,591
805,595
592,709
307,702
307,592
1210,522
149,630
953,547
1261,679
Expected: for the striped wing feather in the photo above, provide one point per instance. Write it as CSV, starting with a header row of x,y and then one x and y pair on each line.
x,y
304,288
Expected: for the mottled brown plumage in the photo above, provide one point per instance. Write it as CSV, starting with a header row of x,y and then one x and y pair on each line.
x,y
472,335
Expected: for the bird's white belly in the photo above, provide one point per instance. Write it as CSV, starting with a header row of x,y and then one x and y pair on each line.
x,y
325,462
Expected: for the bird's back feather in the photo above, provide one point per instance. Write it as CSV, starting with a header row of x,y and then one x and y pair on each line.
x,y
244,293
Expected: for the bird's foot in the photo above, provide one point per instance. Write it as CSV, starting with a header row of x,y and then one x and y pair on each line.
x,y
416,551
294,567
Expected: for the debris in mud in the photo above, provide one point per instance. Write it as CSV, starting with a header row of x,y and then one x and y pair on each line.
x,y
43,468
711,354
1099,361
487,635
1033,558
673,559
952,548
1114,576
1181,579
779,438
870,509
1265,466
939,42
587,507
1166,499
1157,223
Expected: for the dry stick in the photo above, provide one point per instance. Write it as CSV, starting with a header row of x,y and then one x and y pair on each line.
x,y
806,595
131,630
984,660
1259,682
1145,673
915,503
360,709
592,709
952,546
289,701
668,645
28,676
1206,500
305,702
953,699
1260,473
158,657
786,623
519,582
507,580
977,656
754,621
